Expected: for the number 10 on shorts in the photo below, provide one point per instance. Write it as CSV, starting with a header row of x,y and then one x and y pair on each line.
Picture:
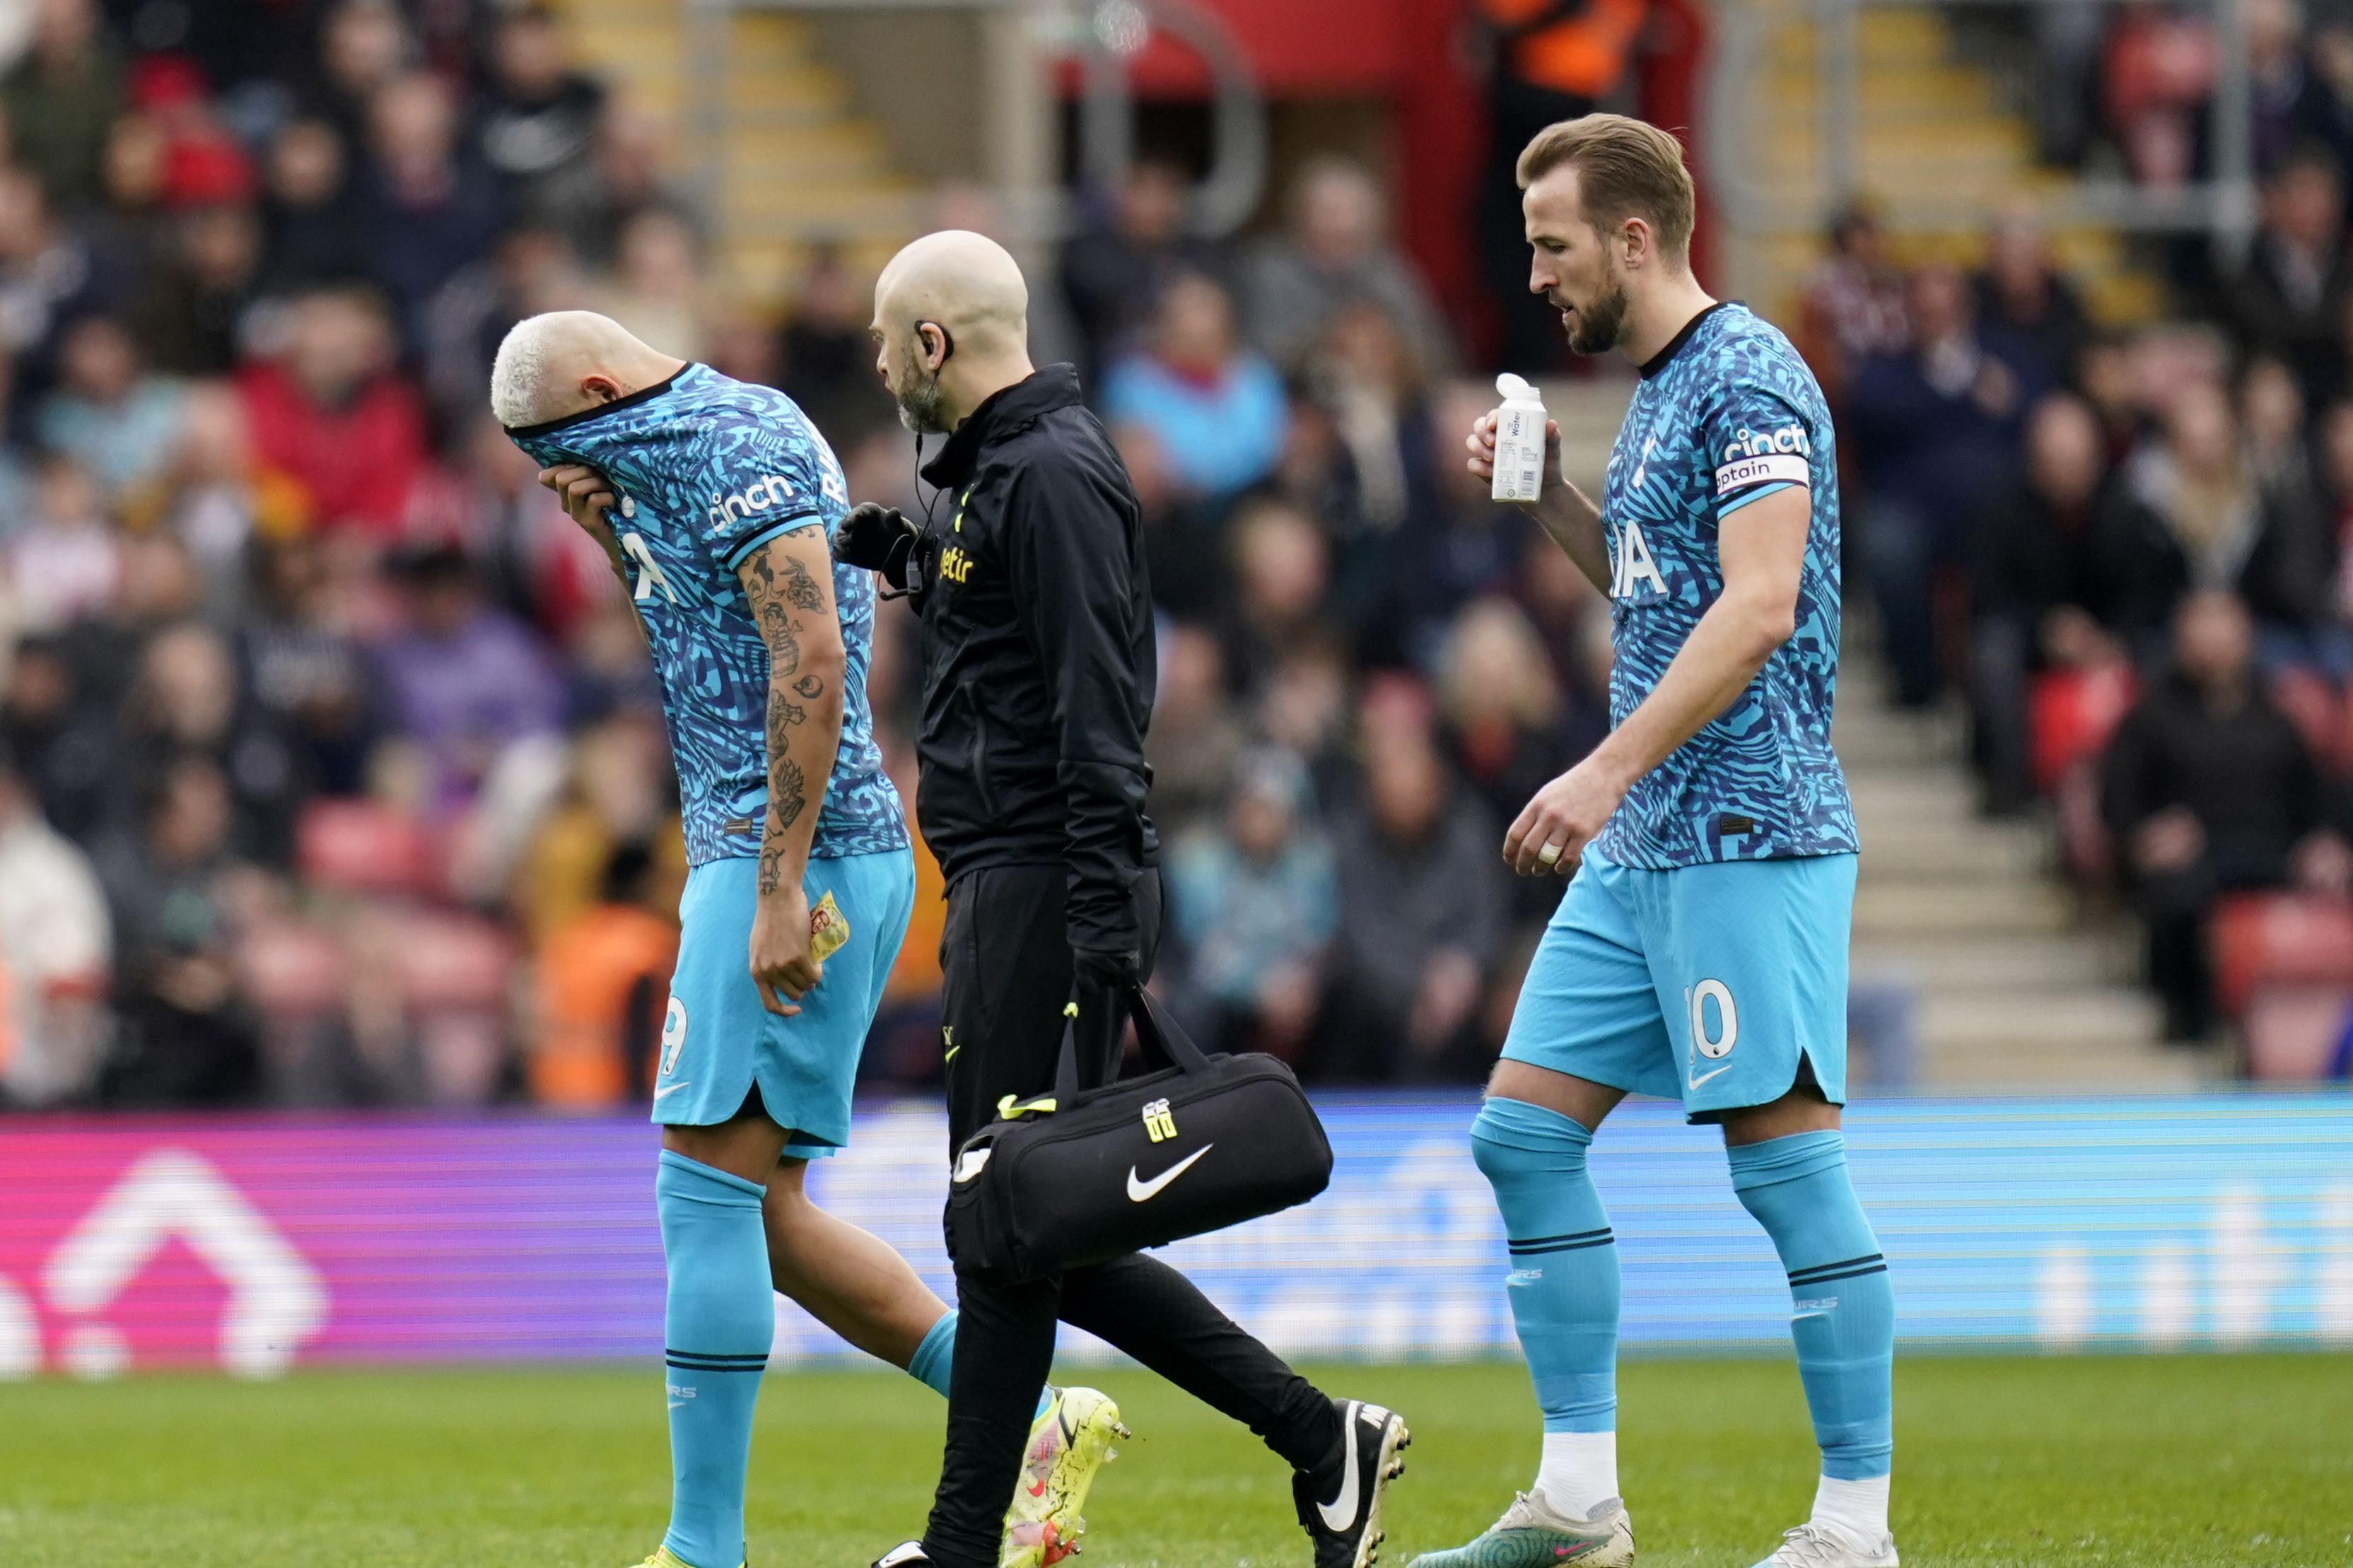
x,y
1712,1037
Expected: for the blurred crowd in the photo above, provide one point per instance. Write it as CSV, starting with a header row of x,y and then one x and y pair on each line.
x,y
331,770
315,715
2132,553
2130,86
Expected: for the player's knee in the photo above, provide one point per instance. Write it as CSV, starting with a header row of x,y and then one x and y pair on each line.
x,y
1760,1167
1496,1160
1512,1141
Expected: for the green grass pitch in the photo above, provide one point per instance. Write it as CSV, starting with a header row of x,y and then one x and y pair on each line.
x,y
2208,1459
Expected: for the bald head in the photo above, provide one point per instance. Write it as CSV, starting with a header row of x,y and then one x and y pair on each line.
x,y
564,362
952,323
964,282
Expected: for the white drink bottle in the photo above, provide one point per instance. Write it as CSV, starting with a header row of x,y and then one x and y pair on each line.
x,y
1519,441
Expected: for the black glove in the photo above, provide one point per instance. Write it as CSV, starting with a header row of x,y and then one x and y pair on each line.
x,y
1100,983
1094,971
881,539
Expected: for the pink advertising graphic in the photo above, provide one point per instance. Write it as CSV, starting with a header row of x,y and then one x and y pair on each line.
x,y
249,1245
256,1244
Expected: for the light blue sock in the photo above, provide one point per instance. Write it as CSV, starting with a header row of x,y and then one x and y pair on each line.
x,y
936,1357
1564,1282
1842,1308
934,1362
718,1326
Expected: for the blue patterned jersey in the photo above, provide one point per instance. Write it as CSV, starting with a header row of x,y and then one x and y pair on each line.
x,y
708,470
1726,415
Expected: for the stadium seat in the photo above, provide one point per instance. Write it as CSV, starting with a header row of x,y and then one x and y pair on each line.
x,y
2070,715
2269,940
454,963
363,847
457,973
292,970
2297,1033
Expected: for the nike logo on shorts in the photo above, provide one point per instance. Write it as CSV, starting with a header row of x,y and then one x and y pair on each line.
x,y
1695,1082
671,1088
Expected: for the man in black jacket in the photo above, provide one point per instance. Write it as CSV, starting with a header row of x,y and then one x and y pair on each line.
x,y
2209,788
1038,684
2040,584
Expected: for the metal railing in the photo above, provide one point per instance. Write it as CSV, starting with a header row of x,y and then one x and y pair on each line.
x,y
2222,206
1103,36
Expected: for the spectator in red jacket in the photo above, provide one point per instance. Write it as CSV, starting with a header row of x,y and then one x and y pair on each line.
x,y
2157,74
203,164
332,413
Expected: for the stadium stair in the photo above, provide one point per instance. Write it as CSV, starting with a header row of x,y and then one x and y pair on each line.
x,y
2010,982
801,165
1932,127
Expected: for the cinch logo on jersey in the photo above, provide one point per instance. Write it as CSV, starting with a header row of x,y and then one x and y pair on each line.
x,y
1765,443
769,490
1765,456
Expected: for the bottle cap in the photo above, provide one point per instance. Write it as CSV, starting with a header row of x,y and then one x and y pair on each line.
x,y
1516,389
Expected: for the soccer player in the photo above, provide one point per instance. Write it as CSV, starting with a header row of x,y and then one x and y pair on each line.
x,y
717,502
1700,951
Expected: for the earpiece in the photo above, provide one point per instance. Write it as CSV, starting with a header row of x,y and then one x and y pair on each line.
x,y
947,342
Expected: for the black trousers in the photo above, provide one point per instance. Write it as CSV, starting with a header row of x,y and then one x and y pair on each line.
x,y
1007,965
2174,906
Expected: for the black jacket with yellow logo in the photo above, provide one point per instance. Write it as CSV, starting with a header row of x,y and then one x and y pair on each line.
x,y
1037,657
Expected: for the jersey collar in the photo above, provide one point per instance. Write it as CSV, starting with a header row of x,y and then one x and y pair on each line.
x,y
1658,362
1003,413
643,394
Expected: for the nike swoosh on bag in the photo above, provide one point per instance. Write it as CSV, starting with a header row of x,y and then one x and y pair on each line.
x,y
1341,1512
1141,1191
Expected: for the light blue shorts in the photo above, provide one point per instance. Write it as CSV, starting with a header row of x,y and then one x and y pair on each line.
x,y
1710,984
717,1040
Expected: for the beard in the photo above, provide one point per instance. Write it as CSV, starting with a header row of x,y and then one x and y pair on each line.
x,y
921,404
1598,324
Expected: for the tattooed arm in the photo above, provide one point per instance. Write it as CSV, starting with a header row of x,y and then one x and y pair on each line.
x,y
789,582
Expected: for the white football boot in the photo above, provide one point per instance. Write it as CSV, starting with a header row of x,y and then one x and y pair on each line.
x,y
1813,1545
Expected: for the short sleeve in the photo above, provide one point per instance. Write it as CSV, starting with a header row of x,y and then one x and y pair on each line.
x,y
1759,441
764,481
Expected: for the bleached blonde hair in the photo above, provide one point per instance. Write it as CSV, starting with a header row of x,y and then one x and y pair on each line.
x,y
519,374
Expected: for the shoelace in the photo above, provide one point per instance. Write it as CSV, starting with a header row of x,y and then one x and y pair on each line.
x,y
1807,1546
1523,1515
1520,1515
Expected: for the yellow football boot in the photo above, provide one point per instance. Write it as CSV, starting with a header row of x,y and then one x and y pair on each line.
x,y
663,1558
1069,1442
